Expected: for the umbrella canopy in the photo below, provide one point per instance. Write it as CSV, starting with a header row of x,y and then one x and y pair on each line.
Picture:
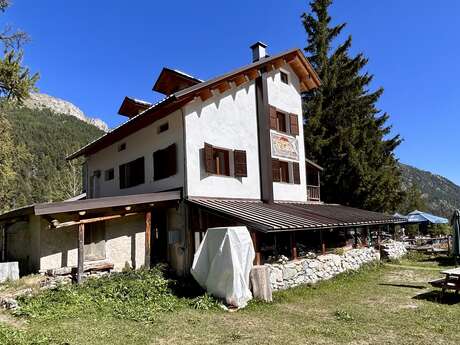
x,y
419,216
456,226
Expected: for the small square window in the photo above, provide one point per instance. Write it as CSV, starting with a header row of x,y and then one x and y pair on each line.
x,y
163,128
109,174
122,147
284,77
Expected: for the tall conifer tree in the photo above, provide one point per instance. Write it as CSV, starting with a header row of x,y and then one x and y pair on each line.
x,y
344,131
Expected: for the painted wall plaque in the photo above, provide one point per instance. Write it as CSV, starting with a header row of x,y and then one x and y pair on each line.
x,y
284,146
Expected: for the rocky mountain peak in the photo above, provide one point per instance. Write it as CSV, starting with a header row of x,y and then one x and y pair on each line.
x,y
60,106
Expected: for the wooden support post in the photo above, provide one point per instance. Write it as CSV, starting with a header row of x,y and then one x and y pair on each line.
x,y
81,251
3,234
379,237
148,231
293,246
323,244
255,242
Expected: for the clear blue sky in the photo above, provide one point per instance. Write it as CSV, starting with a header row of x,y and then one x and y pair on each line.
x,y
93,53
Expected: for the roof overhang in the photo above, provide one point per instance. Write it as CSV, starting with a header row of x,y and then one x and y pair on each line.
x,y
313,164
284,216
309,80
131,107
113,204
170,81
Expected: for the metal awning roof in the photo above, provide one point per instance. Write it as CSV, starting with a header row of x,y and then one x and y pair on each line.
x,y
292,216
93,204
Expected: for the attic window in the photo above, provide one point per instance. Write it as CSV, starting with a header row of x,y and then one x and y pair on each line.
x,y
163,128
284,77
122,147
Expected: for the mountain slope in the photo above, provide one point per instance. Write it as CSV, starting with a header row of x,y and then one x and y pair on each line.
x,y
41,101
441,195
43,139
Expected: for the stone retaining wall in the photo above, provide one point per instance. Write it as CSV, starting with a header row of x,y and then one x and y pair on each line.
x,y
323,267
393,250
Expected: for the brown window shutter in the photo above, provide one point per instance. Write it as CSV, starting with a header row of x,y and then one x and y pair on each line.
x,y
294,122
172,160
209,159
273,120
296,172
239,158
276,170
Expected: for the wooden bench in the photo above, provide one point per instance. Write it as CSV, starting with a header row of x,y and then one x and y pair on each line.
x,y
450,282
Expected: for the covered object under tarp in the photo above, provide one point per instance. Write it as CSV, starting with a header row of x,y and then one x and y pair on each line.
x,y
223,262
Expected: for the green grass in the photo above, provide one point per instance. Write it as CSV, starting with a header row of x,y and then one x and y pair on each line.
x,y
377,305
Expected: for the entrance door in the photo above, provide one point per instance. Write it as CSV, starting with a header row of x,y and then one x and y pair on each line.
x,y
159,237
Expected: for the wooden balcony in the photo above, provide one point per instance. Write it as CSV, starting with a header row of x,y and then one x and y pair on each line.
x,y
313,193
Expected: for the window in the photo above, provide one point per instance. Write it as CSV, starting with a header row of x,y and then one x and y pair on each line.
x,y
216,160
281,171
284,77
122,147
132,173
280,122
283,121
163,128
109,174
164,163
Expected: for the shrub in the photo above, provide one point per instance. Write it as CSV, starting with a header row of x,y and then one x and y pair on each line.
x,y
136,295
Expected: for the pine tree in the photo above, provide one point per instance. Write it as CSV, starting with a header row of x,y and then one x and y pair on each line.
x,y
344,131
7,173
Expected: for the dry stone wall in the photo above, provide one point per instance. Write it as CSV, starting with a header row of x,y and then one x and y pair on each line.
x,y
323,267
393,250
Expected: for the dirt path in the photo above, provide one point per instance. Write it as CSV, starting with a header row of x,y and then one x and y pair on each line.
x,y
9,320
435,269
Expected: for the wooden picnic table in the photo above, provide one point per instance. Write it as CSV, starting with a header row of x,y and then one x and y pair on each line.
x,y
451,281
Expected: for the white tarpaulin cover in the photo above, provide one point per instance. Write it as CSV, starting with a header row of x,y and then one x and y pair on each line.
x,y
223,262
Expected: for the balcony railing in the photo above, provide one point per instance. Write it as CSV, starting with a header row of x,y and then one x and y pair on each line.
x,y
313,193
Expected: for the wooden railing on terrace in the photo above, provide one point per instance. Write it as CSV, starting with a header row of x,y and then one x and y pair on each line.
x,y
313,193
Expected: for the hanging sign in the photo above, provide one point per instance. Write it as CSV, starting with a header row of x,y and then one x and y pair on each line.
x,y
284,146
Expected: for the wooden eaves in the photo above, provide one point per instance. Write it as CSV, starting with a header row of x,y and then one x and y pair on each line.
x,y
205,90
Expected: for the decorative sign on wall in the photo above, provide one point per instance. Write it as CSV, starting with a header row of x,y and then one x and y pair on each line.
x,y
284,146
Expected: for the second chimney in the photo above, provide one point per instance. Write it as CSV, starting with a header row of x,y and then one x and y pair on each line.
x,y
258,51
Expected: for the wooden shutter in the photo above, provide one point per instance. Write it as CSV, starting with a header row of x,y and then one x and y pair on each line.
x,y
239,160
276,170
294,124
296,173
209,166
172,160
273,120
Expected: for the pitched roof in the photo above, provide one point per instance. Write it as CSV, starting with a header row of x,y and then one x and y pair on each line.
x,y
131,106
292,216
294,57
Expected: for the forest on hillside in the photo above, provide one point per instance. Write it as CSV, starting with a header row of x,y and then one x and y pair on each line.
x,y
42,139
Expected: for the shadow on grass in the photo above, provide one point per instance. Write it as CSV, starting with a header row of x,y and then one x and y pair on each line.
x,y
440,260
434,296
410,286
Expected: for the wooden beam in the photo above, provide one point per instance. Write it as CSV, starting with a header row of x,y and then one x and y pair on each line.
x,y
56,225
224,86
240,79
293,246
148,231
205,94
278,63
81,252
252,74
255,243
323,243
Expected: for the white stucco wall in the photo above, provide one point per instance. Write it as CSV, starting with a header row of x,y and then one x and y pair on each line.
x,y
141,143
228,121
287,97
124,244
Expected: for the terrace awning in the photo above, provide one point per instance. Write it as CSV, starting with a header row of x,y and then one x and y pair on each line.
x,y
292,216
419,217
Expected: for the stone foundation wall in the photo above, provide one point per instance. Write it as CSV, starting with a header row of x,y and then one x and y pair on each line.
x,y
323,267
